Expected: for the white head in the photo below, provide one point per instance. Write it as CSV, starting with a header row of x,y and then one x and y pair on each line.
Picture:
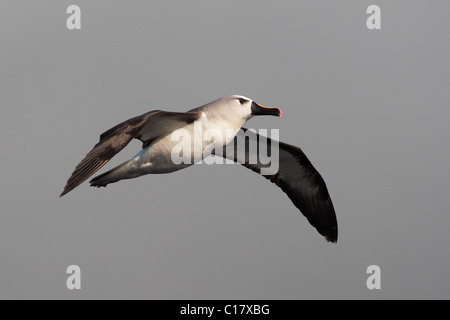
x,y
240,108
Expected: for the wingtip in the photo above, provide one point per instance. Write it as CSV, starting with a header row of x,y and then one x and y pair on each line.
x,y
332,240
332,236
66,190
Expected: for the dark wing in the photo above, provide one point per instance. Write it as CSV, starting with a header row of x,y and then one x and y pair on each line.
x,y
296,176
148,128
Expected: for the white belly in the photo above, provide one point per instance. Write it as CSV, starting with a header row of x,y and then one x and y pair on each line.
x,y
184,147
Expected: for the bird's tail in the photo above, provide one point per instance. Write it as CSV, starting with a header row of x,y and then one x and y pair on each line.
x,y
123,171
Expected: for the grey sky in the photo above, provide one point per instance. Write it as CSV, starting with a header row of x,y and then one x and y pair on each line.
x,y
369,108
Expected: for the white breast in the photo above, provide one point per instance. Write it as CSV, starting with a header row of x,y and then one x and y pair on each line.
x,y
193,142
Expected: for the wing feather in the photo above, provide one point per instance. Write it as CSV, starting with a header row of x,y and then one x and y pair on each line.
x,y
148,128
296,176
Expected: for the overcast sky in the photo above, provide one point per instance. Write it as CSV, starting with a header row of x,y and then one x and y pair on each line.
x,y
368,107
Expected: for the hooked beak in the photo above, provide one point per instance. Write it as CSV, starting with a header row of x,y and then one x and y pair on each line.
x,y
259,110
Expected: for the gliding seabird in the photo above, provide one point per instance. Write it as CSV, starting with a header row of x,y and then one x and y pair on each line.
x,y
296,175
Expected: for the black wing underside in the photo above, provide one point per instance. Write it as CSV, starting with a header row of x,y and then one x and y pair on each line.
x,y
296,176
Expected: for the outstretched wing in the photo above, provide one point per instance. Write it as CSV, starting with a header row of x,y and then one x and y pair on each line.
x,y
296,176
149,127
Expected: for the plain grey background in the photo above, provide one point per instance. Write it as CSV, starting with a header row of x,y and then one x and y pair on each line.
x,y
369,108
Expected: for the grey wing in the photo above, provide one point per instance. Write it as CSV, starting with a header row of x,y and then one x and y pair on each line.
x,y
148,128
296,176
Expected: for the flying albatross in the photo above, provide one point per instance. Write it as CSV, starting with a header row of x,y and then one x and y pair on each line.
x,y
296,176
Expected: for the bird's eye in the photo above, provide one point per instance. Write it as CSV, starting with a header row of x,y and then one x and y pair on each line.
x,y
241,100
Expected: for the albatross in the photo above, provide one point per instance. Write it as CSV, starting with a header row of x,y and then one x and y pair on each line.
x,y
296,176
